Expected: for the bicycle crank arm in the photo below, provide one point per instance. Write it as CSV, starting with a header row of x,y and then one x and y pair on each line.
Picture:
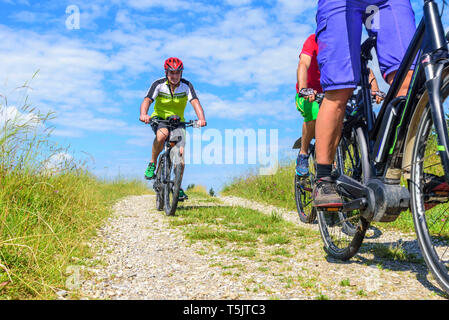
x,y
351,188
358,204
361,197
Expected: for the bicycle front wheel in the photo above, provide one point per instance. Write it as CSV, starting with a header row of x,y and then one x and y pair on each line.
x,y
430,195
343,232
303,191
171,190
158,187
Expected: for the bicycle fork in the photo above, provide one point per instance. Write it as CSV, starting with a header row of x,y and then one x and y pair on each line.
x,y
166,168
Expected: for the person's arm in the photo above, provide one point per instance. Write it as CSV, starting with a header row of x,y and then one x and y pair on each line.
x,y
303,67
374,86
144,107
193,98
199,112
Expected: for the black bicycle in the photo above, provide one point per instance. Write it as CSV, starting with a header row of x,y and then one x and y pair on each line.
x,y
347,161
408,139
170,168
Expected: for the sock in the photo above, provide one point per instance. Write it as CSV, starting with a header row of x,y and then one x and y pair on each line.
x,y
323,170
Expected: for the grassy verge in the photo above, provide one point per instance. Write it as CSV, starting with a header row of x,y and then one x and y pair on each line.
x,y
278,190
275,190
45,223
50,205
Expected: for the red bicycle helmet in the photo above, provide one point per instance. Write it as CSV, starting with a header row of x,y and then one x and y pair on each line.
x,y
173,64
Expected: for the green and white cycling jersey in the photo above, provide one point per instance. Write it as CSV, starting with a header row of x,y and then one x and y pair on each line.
x,y
170,103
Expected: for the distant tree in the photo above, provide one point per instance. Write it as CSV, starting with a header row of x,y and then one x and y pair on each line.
x,y
212,192
190,186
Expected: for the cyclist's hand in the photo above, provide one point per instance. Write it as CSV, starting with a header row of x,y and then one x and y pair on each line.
x,y
308,94
312,97
201,123
145,118
377,96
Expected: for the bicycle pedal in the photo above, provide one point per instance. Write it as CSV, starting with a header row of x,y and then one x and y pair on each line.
x,y
330,207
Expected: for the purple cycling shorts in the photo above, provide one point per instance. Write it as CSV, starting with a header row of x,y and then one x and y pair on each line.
x,y
339,37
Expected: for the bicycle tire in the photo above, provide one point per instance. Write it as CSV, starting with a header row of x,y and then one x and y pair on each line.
x,y
431,219
171,188
303,192
338,242
159,188
352,167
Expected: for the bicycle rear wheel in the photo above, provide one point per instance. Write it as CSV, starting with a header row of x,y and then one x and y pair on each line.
x,y
430,195
303,191
171,188
343,232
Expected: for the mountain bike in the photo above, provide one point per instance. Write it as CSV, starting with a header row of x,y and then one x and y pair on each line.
x,y
170,170
347,161
304,184
407,140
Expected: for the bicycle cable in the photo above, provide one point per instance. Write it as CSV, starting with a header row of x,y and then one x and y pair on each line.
x,y
442,8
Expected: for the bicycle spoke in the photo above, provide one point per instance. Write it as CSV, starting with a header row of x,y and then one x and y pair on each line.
x,y
429,198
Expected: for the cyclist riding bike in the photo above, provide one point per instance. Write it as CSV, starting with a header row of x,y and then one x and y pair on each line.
x,y
308,75
339,32
171,95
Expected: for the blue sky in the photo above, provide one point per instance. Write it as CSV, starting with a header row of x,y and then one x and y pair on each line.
x,y
241,56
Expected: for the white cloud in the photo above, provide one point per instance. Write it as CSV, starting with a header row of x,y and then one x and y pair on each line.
x,y
12,117
69,72
249,48
217,107
246,46
57,163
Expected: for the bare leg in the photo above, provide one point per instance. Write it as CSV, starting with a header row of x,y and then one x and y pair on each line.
x,y
329,124
308,133
158,144
405,84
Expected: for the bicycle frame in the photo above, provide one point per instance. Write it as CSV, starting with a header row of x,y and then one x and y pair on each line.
x,y
168,147
430,46
385,141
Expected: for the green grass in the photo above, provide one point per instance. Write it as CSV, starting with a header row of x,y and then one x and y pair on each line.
x,y
278,190
345,283
394,253
275,189
48,213
246,230
45,222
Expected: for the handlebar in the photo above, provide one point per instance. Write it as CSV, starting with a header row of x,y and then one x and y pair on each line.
x,y
308,92
173,123
379,94
320,96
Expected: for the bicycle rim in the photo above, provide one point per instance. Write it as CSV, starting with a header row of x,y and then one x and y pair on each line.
x,y
159,189
430,196
303,193
171,192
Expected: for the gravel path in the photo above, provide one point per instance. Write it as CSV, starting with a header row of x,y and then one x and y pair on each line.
x,y
139,256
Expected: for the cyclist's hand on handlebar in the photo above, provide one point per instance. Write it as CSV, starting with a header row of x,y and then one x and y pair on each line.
x,y
308,94
201,123
145,118
312,97
378,96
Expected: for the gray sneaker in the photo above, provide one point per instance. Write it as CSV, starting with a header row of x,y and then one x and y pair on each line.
x,y
325,194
